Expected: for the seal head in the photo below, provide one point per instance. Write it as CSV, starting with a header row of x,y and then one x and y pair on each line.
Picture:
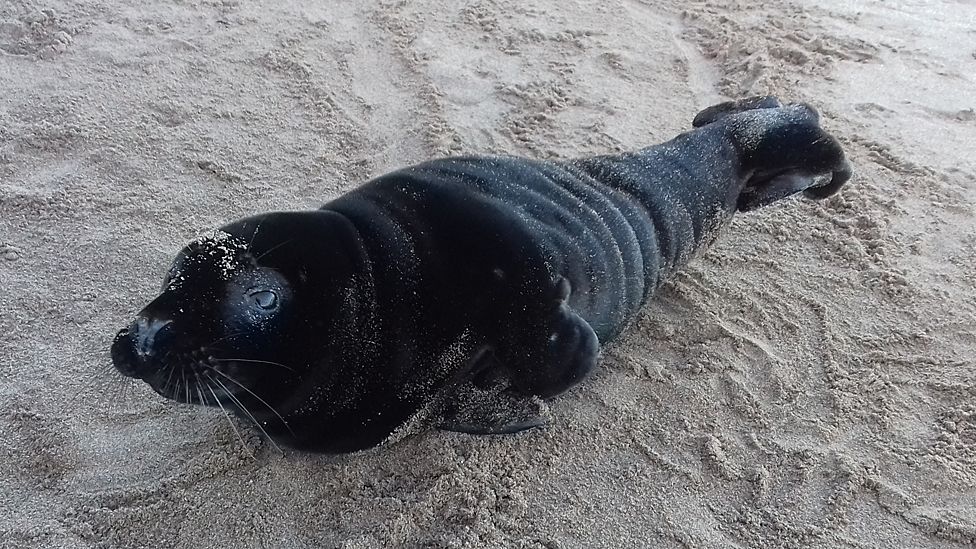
x,y
237,323
217,301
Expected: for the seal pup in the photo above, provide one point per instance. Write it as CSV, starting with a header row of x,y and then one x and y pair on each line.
x,y
470,287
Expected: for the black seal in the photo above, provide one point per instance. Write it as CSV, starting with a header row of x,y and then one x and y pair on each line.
x,y
466,287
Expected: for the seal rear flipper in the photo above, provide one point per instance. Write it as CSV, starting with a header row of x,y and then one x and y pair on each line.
x,y
784,151
775,188
814,186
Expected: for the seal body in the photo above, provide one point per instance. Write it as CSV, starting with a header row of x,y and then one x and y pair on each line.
x,y
331,328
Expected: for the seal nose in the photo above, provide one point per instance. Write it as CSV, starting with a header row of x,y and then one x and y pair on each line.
x,y
148,332
135,346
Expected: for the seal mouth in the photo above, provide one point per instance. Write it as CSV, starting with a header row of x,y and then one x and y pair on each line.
x,y
199,377
193,377
150,351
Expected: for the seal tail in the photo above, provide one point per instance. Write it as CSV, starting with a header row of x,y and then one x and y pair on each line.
x,y
783,148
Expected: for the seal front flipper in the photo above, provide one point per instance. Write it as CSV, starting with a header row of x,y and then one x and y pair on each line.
x,y
554,353
493,410
548,349
484,403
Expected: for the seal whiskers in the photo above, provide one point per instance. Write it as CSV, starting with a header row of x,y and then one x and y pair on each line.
x,y
169,379
224,338
186,386
231,422
252,393
289,241
254,361
244,409
254,235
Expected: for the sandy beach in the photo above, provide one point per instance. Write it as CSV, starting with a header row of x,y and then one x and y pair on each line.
x,y
809,382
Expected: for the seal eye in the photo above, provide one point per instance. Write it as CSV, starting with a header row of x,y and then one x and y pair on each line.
x,y
266,299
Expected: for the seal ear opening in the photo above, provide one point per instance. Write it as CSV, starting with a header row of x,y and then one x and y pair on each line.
x,y
728,108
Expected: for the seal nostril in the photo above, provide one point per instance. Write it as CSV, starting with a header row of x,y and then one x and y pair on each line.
x,y
149,334
136,345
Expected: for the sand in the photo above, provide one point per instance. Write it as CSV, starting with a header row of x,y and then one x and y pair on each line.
x,y
809,382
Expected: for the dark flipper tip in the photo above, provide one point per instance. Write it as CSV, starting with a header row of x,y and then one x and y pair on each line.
x,y
840,177
728,108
